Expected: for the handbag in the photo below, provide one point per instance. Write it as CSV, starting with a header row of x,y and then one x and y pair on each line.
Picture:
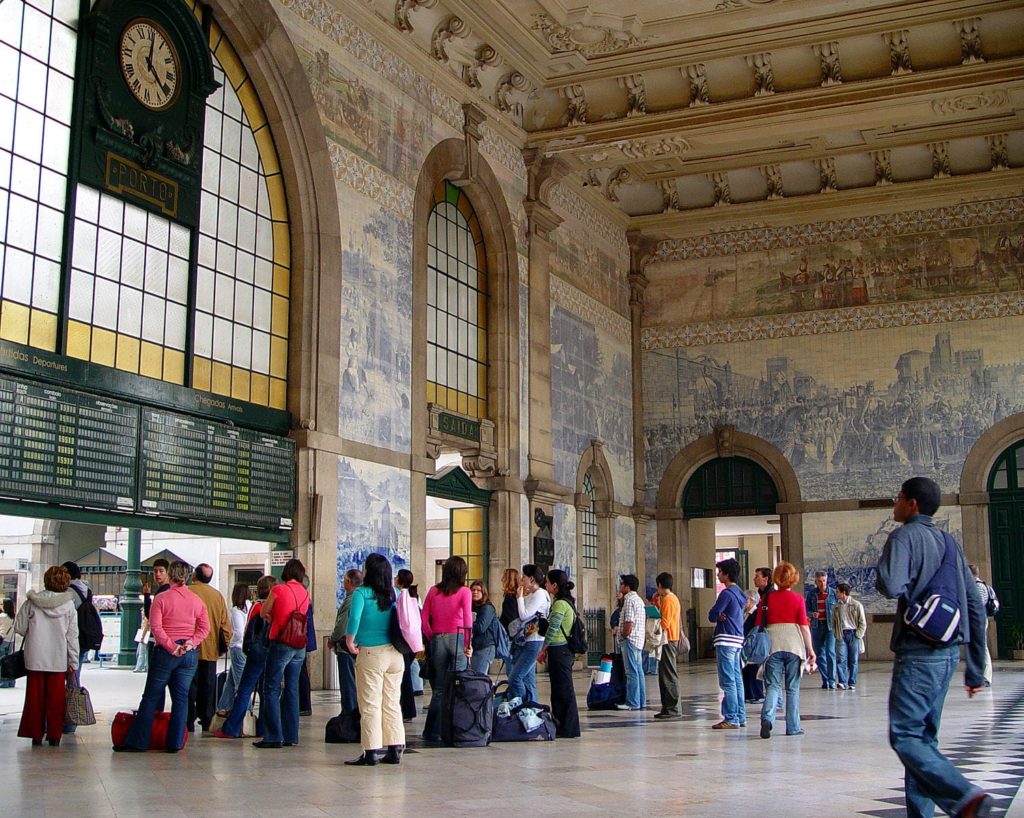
x,y
395,636
78,707
12,666
757,645
936,617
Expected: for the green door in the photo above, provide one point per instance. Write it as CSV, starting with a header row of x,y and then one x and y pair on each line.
x,y
1006,528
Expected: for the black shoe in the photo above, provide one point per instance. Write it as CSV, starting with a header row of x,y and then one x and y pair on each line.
x,y
766,729
38,742
367,759
393,755
55,742
267,745
124,748
175,750
305,712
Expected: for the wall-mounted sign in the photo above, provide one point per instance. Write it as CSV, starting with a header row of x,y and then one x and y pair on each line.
x,y
458,426
279,558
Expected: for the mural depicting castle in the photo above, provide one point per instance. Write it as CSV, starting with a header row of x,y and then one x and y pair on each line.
x,y
373,504
849,424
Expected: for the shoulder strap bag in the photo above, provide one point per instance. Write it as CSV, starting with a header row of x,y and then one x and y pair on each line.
x,y
936,616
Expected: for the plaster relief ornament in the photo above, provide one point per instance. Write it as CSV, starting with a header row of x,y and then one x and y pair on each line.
x,y
621,177
508,92
636,94
590,41
773,177
899,51
697,78
403,8
445,35
883,167
940,160
970,41
831,71
576,113
968,103
764,77
653,148
720,183
591,179
486,57
997,150
827,175
669,195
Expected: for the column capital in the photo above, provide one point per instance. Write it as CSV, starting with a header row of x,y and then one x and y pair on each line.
x,y
543,172
543,220
641,249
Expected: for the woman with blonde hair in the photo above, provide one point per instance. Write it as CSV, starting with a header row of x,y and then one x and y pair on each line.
x,y
509,605
785,615
48,624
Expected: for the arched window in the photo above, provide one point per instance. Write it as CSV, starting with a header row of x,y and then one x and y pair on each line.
x,y
588,520
206,308
729,484
456,305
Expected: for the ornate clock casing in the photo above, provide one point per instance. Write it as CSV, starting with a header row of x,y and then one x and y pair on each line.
x,y
141,107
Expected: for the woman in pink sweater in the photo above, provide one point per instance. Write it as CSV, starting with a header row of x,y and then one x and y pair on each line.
x,y
447,609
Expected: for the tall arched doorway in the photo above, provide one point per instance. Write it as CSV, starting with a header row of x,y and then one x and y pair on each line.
x,y
1006,529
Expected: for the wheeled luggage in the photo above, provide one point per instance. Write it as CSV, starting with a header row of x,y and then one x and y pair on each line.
x,y
467,716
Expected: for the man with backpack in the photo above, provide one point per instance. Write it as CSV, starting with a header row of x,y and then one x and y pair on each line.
x,y
668,671
90,627
991,602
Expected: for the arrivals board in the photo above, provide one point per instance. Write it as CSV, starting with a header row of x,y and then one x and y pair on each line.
x,y
198,469
64,446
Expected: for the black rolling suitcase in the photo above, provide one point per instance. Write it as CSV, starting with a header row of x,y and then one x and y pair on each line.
x,y
468,713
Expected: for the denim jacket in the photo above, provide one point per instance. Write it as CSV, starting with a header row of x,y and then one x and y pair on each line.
x,y
811,600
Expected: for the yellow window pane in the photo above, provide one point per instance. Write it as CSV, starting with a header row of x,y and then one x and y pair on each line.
x,y
278,357
279,316
481,321
431,393
481,345
240,384
282,280
127,353
79,336
104,346
473,410
251,105
453,399
278,203
174,366
482,406
230,63
221,381
467,519
474,228
202,373
278,393
459,544
43,334
259,389
268,153
465,208
476,542
463,403
476,567
151,360
282,243
481,380
14,322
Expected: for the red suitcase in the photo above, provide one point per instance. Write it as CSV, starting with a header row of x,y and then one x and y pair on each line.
x,y
158,741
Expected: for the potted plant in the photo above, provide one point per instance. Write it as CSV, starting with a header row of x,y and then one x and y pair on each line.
x,y
1017,642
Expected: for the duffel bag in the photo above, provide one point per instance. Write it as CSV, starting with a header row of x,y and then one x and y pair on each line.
x,y
343,729
158,738
605,696
512,725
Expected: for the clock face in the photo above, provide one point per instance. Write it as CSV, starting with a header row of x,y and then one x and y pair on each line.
x,y
149,64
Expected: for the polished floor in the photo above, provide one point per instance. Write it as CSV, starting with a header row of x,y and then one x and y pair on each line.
x,y
624,764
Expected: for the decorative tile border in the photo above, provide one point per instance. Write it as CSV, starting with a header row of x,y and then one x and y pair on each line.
x,y
499,148
967,214
821,322
447,107
606,320
569,203
369,180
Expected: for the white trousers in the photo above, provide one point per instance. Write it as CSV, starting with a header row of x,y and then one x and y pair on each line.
x,y
379,672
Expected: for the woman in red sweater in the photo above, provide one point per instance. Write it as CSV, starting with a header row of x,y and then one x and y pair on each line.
x,y
447,608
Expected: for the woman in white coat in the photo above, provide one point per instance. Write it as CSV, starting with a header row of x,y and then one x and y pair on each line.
x,y
49,625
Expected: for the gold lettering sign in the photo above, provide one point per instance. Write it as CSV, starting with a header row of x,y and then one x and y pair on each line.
x,y
124,176
458,427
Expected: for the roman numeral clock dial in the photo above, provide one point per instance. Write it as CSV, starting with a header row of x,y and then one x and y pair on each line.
x,y
149,64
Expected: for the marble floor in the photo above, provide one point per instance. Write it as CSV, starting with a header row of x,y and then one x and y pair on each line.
x,y
624,764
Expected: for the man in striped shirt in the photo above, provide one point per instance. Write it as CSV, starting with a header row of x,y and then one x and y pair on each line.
x,y
632,628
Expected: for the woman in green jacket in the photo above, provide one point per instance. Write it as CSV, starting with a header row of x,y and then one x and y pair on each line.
x,y
559,658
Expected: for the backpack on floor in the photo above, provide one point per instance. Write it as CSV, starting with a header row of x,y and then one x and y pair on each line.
x,y
343,729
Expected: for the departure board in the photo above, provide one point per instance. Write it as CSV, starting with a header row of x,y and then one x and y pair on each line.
x,y
197,469
63,446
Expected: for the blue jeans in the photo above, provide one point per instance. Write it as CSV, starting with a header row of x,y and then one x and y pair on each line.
x,y
730,679
165,671
6,648
347,682
255,664
445,649
920,681
235,669
825,648
848,658
482,658
782,668
633,663
414,676
522,675
282,717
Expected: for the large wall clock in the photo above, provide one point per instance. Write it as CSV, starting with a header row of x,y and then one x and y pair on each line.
x,y
141,107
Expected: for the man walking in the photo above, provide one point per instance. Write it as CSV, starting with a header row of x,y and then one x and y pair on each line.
x,y
202,696
848,627
727,614
991,603
820,601
912,557
632,631
668,670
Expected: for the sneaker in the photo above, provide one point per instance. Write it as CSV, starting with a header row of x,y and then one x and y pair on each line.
x,y
978,807
797,733
766,729
667,716
625,707
852,687
724,725
841,686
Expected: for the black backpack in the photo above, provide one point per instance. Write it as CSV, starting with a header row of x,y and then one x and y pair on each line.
x,y
576,639
90,628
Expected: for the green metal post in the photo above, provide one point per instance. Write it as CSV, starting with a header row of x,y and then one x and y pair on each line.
x,y
131,605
